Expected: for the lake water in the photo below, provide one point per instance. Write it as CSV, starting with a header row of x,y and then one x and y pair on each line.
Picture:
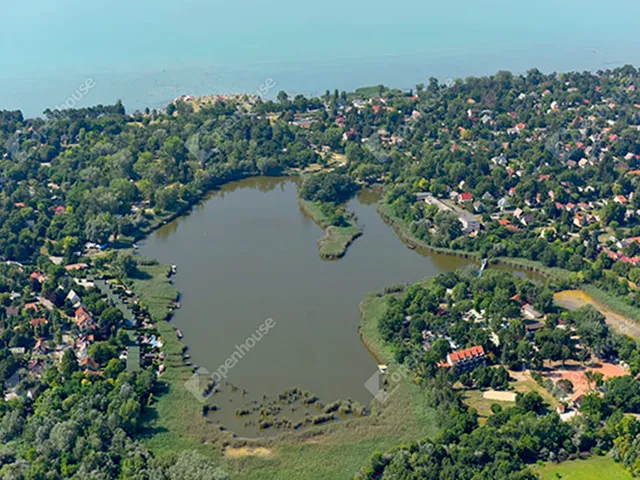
x,y
148,52
247,254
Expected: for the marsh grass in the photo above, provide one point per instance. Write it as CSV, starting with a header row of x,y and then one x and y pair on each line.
x,y
336,240
332,450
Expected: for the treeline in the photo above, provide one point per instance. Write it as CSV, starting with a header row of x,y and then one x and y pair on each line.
x,y
97,164
83,427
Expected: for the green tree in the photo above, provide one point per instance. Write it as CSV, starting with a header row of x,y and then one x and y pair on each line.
x,y
102,352
68,364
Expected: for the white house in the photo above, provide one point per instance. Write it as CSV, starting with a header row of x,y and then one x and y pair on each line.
x,y
74,298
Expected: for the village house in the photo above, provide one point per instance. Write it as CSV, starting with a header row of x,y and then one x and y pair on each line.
x,y
527,219
74,298
39,277
38,322
89,365
470,223
76,266
503,203
40,347
530,313
36,367
84,320
82,346
532,327
465,197
31,306
467,359
59,210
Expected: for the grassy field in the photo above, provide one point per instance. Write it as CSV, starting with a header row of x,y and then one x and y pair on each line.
x,y
475,399
622,317
152,285
336,240
522,383
526,384
592,468
612,302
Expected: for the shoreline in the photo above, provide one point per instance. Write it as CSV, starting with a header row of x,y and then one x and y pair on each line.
x,y
173,406
184,425
177,372
521,264
608,302
415,243
336,240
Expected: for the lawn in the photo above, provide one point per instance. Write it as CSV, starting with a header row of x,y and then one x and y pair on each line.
x,y
152,285
476,400
592,468
525,383
522,383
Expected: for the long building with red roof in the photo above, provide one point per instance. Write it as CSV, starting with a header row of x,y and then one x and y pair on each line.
x,y
466,359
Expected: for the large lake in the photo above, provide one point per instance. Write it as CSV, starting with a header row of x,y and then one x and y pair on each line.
x,y
148,52
248,253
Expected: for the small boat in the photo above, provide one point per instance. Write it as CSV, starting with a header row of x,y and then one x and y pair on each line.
x,y
174,268
411,247
179,333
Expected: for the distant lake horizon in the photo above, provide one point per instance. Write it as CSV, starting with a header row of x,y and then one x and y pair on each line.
x,y
147,53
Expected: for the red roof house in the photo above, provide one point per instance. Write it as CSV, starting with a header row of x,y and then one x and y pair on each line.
x,y
465,197
466,359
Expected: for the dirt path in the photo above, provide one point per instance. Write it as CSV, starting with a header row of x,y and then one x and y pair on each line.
x,y
247,452
574,299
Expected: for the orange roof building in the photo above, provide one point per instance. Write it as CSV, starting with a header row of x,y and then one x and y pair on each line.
x,y
84,320
41,278
466,359
38,321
